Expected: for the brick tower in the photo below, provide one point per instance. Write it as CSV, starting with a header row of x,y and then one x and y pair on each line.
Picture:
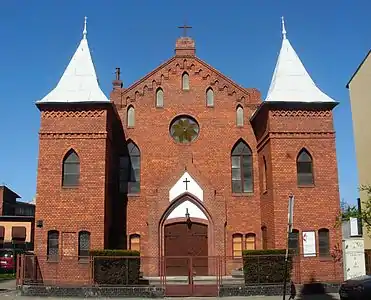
x,y
296,149
73,185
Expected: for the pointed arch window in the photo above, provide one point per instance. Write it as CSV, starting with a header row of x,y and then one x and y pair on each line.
x,y
210,97
237,245
239,116
130,170
53,245
135,242
324,242
304,167
159,98
185,81
250,241
294,241
71,169
84,244
265,176
242,168
131,117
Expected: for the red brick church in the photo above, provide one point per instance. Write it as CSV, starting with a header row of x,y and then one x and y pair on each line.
x,y
185,145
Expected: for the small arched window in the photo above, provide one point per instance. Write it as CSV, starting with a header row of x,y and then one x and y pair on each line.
x,y
84,244
71,169
264,238
159,98
237,245
135,242
250,241
53,245
185,81
265,176
210,97
294,241
239,116
131,117
304,167
324,242
242,169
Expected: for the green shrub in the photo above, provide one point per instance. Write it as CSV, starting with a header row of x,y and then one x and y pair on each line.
x,y
116,267
265,266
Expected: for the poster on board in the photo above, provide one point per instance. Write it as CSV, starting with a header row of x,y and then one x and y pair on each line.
x,y
309,243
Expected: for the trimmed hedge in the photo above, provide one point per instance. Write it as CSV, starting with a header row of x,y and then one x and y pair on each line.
x,y
265,266
116,267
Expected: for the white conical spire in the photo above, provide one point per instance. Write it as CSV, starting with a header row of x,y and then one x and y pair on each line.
x,y
79,81
291,81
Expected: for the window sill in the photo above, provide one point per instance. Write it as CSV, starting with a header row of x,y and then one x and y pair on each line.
x,y
130,127
52,261
84,260
133,195
306,186
74,187
248,194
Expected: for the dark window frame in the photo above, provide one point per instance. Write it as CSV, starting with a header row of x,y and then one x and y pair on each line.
x,y
71,170
130,175
84,252
294,244
304,168
53,236
324,242
242,153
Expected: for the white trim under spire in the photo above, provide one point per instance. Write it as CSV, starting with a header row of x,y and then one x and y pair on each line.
x,y
79,83
291,81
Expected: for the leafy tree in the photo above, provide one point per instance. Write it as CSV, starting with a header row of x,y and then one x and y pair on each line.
x,y
351,211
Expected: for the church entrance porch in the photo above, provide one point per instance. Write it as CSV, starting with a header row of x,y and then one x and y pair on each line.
x,y
184,240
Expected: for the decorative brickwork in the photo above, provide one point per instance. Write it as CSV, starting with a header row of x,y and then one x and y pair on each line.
x,y
302,113
72,114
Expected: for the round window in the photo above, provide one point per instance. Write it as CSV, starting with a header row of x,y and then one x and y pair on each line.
x,y
184,129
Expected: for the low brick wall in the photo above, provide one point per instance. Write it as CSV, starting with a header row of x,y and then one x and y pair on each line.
x,y
92,292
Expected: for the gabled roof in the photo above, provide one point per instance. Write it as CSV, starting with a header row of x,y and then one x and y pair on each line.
x,y
359,67
291,81
79,81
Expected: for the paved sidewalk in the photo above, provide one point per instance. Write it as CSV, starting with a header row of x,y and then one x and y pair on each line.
x,y
13,296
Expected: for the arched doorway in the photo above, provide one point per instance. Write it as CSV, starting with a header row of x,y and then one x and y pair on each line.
x,y
186,231
186,247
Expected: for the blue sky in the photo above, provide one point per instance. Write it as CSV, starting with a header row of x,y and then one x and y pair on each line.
x,y
240,38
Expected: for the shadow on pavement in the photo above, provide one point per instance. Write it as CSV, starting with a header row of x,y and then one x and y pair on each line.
x,y
314,290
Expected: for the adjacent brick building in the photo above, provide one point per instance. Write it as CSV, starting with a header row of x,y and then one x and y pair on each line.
x,y
185,162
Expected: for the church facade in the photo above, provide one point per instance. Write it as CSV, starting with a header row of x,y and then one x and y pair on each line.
x,y
185,162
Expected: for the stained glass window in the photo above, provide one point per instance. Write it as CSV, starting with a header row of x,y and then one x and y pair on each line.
x,y
184,129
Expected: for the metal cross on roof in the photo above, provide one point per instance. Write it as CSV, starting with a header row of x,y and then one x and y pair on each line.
x,y
184,27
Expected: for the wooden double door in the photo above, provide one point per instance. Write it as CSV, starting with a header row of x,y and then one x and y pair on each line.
x,y
186,249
